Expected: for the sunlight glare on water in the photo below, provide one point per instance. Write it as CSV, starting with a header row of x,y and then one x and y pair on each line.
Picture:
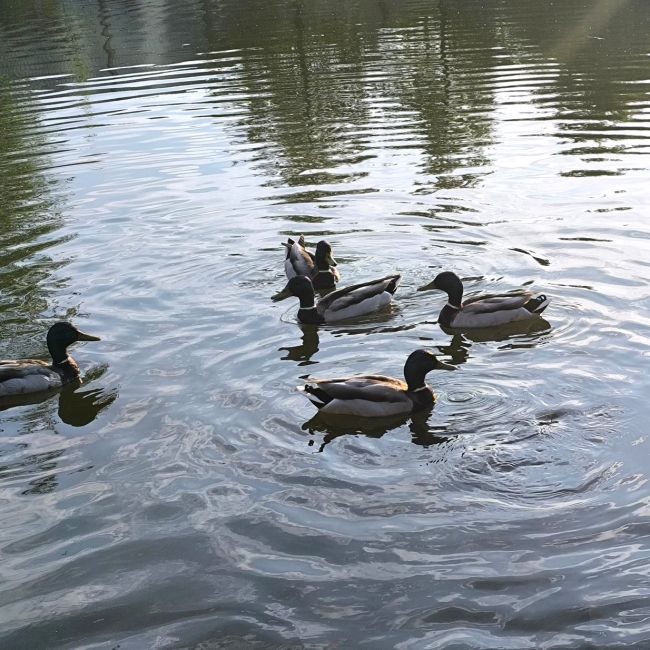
x,y
153,158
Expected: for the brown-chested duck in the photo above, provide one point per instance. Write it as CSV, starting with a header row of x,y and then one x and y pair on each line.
x,y
485,311
22,376
377,395
320,266
341,304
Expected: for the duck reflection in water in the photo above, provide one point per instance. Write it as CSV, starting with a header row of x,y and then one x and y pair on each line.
x,y
335,426
527,332
303,353
76,407
374,404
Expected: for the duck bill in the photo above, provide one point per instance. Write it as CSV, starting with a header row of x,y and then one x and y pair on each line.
x,y
428,287
86,337
330,260
281,295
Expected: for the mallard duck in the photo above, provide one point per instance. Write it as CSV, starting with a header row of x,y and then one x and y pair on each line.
x,y
485,311
318,266
376,395
299,261
325,274
345,303
22,376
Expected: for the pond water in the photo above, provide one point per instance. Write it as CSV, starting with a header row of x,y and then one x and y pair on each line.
x,y
153,157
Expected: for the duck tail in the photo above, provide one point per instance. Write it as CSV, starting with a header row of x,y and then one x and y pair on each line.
x,y
537,304
288,245
290,242
391,287
317,396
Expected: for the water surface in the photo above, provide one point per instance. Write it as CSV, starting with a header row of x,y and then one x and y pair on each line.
x,y
153,157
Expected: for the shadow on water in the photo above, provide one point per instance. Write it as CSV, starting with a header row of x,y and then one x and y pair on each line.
x,y
303,353
529,331
336,426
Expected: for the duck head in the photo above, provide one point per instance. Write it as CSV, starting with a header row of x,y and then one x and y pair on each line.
x,y
61,335
418,364
451,284
299,286
323,255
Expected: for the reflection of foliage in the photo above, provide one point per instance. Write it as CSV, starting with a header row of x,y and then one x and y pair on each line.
x,y
319,82
22,54
326,82
594,44
27,212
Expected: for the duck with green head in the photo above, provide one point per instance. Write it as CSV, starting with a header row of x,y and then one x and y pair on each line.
x,y
320,266
325,274
341,304
484,311
377,395
22,376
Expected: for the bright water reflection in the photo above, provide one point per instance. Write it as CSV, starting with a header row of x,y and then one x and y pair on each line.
x,y
153,157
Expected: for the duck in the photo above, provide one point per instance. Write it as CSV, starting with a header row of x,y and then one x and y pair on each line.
x,y
341,304
298,261
320,266
22,376
377,395
325,275
485,311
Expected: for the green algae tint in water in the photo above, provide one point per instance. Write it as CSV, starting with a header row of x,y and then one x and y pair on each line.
x,y
153,157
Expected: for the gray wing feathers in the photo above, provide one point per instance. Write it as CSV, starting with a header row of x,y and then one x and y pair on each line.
x,y
21,368
27,376
485,305
356,293
300,260
375,388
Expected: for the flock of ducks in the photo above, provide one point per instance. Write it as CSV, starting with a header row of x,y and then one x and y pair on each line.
x,y
360,395
377,395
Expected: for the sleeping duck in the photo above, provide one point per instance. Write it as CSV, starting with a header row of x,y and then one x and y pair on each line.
x,y
345,303
318,266
22,376
485,311
376,395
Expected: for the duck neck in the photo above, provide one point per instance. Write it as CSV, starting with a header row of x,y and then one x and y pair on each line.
x,y
418,391
307,312
422,398
447,315
307,301
63,364
322,264
309,316
415,378
455,296
58,352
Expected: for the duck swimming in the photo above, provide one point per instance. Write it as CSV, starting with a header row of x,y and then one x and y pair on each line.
x,y
298,261
325,274
320,266
376,395
349,302
485,311
23,376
